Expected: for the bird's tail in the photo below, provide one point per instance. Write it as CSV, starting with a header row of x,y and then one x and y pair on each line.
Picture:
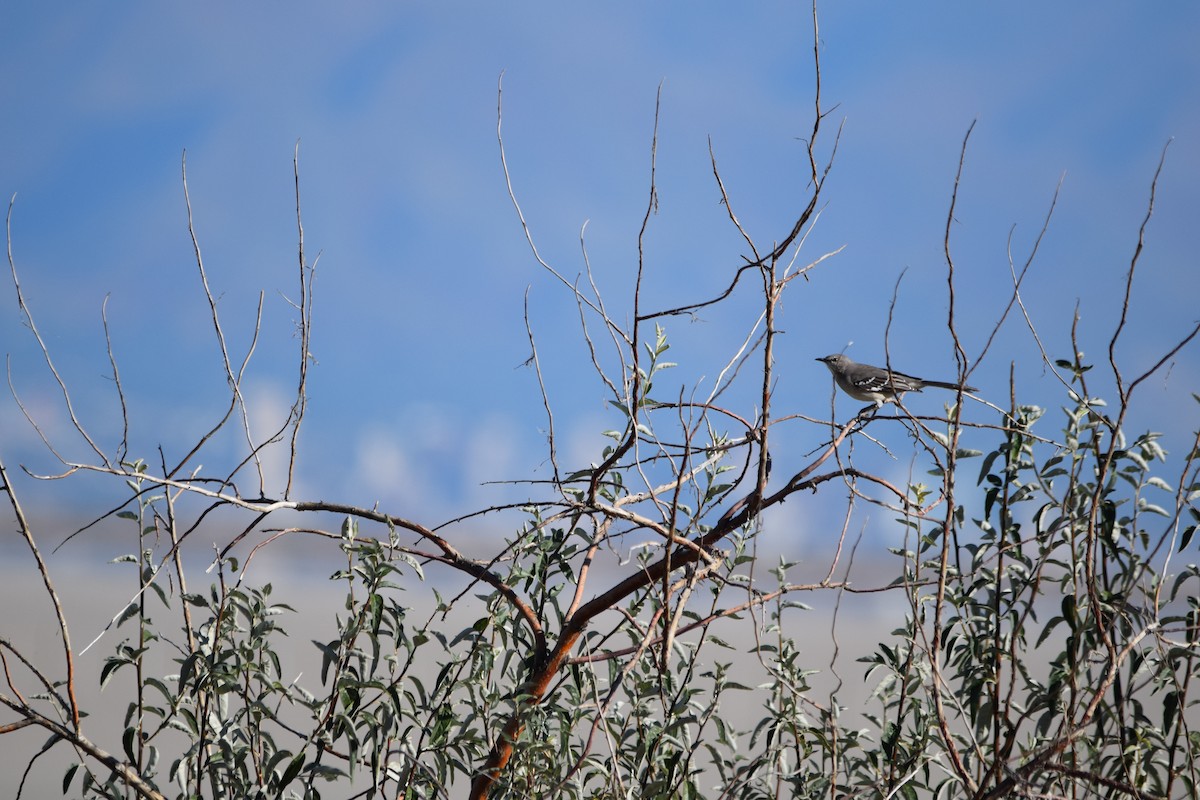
x,y
954,387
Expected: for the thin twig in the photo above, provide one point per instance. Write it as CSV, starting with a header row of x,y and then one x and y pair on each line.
x,y
27,313
60,616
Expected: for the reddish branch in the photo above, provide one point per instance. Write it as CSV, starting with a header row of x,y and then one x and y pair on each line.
x,y
688,552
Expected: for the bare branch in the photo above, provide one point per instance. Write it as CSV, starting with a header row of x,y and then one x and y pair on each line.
x,y
521,216
1133,262
63,631
304,306
537,366
27,313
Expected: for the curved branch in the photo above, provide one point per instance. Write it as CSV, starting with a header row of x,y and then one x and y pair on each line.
x,y
128,774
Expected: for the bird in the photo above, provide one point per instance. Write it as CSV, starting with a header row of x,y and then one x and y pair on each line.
x,y
876,384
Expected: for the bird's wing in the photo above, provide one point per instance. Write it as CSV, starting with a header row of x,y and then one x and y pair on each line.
x,y
899,382
880,380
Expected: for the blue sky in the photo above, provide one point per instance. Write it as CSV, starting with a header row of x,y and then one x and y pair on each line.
x,y
418,394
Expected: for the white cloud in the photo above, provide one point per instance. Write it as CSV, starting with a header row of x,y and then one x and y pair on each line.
x,y
382,469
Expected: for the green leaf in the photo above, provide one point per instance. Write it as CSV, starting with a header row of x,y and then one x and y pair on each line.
x,y
293,769
329,656
109,669
1152,508
129,742
1170,711
1068,612
68,776
1186,538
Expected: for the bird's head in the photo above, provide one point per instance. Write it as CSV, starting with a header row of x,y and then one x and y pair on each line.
x,y
835,360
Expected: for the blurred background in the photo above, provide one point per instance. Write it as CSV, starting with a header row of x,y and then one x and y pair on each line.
x,y
419,390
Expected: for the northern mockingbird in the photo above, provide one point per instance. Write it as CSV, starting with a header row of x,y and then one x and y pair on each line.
x,y
876,384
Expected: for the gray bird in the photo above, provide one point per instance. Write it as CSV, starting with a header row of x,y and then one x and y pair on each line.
x,y
876,384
